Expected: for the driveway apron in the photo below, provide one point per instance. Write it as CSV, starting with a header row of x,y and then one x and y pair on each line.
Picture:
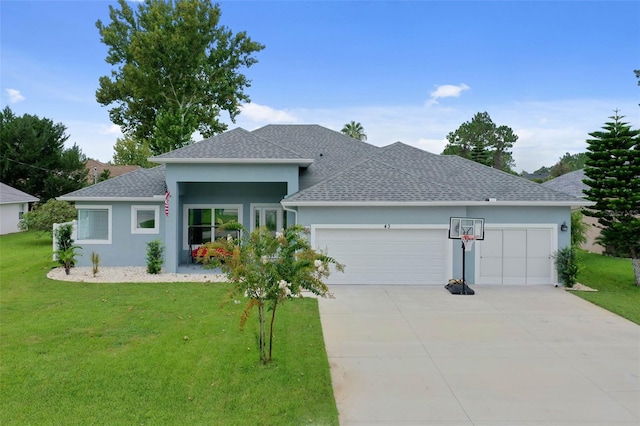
x,y
508,355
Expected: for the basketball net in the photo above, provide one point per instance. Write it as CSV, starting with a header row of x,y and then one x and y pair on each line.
x,y
468,241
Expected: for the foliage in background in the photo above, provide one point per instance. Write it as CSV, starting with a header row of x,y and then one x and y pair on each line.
x,y
568,163
354,130
482,141
269,269
115,354
175,70
33,157
578,229
129,151
155,256
43,216
66,252
567,266
612,171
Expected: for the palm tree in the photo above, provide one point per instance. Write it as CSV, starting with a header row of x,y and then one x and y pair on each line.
x,y
354,130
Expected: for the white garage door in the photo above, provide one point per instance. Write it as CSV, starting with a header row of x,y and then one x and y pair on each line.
x,y
387,256
516,256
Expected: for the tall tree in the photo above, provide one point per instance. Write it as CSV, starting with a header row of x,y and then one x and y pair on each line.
x,y
128,152
482,141
176,70
613,175
33,158
354,130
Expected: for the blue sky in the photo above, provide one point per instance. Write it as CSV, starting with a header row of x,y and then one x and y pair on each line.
x,y
409,71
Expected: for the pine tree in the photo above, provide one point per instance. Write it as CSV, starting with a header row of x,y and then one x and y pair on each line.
x,y
613,175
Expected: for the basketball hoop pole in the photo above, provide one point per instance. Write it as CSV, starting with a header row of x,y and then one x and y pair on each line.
x,y
464,280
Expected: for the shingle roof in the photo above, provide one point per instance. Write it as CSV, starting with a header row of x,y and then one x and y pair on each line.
x,y
234,144
343,170
332,151
10,195
402,173
569,183
141,183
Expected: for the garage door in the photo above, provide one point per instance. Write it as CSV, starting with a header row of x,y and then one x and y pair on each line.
x,y
386,256
516,256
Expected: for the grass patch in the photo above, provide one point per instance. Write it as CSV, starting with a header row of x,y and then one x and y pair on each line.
x,y
613,278
148,353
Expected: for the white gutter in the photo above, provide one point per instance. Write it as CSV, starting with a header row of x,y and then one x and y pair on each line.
x,y
154,199
577,203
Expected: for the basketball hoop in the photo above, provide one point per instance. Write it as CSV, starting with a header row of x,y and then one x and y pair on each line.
x,y
467,241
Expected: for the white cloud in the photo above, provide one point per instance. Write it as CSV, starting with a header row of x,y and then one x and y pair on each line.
x,y
14,96
447,91
112,129
264,114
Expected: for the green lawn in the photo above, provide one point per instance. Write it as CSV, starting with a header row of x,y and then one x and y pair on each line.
x,y
163,353
613,277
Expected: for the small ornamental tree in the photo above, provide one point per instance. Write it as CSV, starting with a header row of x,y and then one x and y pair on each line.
x,y
45,215
270,269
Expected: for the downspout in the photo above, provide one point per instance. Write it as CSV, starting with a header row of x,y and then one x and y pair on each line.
x,y
295,212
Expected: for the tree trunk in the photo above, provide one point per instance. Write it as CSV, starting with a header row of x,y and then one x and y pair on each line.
x,y
273,317
262,321
636,265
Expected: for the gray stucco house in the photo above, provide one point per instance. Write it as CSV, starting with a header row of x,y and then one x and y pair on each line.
x,y
383,212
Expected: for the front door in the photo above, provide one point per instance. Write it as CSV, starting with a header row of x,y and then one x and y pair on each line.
x,y
270,216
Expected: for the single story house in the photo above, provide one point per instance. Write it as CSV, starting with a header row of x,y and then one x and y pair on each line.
x,y
572,184
383,212
95,169
13,204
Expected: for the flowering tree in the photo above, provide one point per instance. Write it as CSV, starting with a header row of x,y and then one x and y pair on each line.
x,y
269,269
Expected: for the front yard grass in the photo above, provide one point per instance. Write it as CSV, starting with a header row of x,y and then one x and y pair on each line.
x,y
148,353
613,278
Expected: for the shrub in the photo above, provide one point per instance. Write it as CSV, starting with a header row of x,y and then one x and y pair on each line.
x,y
154,256
66,253
578,229
567,265
95,261
45,215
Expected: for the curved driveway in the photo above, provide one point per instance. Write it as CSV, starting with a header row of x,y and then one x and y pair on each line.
x,y
508,355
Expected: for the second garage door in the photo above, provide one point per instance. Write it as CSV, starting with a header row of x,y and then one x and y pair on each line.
x,y
387,255
516,256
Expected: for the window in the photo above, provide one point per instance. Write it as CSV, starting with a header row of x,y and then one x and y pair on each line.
x,y
94,224
21,209
201,222
269,215
145,219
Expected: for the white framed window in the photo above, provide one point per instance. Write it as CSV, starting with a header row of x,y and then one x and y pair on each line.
x,y
269,215
145,219
21,209
94,224
200,220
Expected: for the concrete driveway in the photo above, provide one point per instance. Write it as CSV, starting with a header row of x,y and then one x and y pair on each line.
x,y
509,355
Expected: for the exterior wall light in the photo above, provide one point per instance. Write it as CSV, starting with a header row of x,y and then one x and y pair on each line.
x,y
564,227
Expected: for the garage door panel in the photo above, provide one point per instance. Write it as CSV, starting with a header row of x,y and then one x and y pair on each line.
x,y
516,256
386,256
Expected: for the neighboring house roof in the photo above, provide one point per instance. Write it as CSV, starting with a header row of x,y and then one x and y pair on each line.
x,y
139,184
336,169
100,167
10,195
569,183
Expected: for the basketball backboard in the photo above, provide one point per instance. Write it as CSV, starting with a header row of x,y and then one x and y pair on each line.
x,y
459,226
